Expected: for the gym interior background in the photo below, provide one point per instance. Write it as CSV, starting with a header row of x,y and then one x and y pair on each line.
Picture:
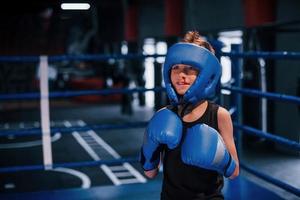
x,y
149,27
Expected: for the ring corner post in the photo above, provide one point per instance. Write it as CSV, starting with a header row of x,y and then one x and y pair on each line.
x,y
45,113
237,74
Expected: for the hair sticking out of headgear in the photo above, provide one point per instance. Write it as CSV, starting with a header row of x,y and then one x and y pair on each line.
x,y
195,38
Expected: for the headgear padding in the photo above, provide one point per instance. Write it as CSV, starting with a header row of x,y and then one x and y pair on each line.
x,y
200,58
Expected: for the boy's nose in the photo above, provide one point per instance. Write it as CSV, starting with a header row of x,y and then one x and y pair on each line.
x,y
182,74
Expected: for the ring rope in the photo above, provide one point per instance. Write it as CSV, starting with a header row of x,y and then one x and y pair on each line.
x,y
263,54
268,95
65,94
83,57
104,57
270,179
69,164
249,130
37,131
281,140
135,159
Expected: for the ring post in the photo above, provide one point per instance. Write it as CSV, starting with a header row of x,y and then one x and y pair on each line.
x,y
237,69
219,99
45,119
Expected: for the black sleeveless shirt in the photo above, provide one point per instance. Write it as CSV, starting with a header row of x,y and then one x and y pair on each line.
x,y
183,181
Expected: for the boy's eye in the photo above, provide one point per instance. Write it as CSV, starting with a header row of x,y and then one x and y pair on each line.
x,y
189,70
175,67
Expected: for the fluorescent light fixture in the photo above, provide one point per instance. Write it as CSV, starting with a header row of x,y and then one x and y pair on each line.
x,y
75,6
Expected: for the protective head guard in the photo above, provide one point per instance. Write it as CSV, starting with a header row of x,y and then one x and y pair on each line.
x,y
200,58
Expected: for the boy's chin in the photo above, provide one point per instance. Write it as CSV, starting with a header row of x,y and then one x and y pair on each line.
x,y
181,92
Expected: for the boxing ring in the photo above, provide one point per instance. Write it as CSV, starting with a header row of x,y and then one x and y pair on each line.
x,y
126,178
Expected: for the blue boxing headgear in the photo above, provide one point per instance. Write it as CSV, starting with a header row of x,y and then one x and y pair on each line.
x,y
200,58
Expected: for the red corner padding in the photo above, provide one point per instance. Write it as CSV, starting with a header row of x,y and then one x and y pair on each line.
x,y
94,84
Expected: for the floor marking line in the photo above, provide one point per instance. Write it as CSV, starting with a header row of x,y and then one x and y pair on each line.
x,y
87,148
92,153
100,141
86,181
54,138
114,179
135,172
126,167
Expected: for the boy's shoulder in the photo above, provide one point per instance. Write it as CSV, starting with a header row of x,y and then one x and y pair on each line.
x,y
221,109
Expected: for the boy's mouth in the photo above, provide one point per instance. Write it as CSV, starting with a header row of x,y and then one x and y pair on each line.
x,y
182,83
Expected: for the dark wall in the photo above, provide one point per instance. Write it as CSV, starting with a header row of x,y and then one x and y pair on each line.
x,y
287,72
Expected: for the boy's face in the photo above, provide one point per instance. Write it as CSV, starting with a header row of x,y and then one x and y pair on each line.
x,y
182,77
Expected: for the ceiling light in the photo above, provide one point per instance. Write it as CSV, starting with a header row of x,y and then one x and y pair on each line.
x,y
75,6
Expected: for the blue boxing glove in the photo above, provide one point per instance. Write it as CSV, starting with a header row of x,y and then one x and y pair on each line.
x,y
165,127
204,147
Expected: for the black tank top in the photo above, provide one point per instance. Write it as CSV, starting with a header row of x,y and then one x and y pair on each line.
x,y
183,181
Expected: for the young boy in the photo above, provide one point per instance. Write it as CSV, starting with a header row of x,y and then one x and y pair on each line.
x,y
193,136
